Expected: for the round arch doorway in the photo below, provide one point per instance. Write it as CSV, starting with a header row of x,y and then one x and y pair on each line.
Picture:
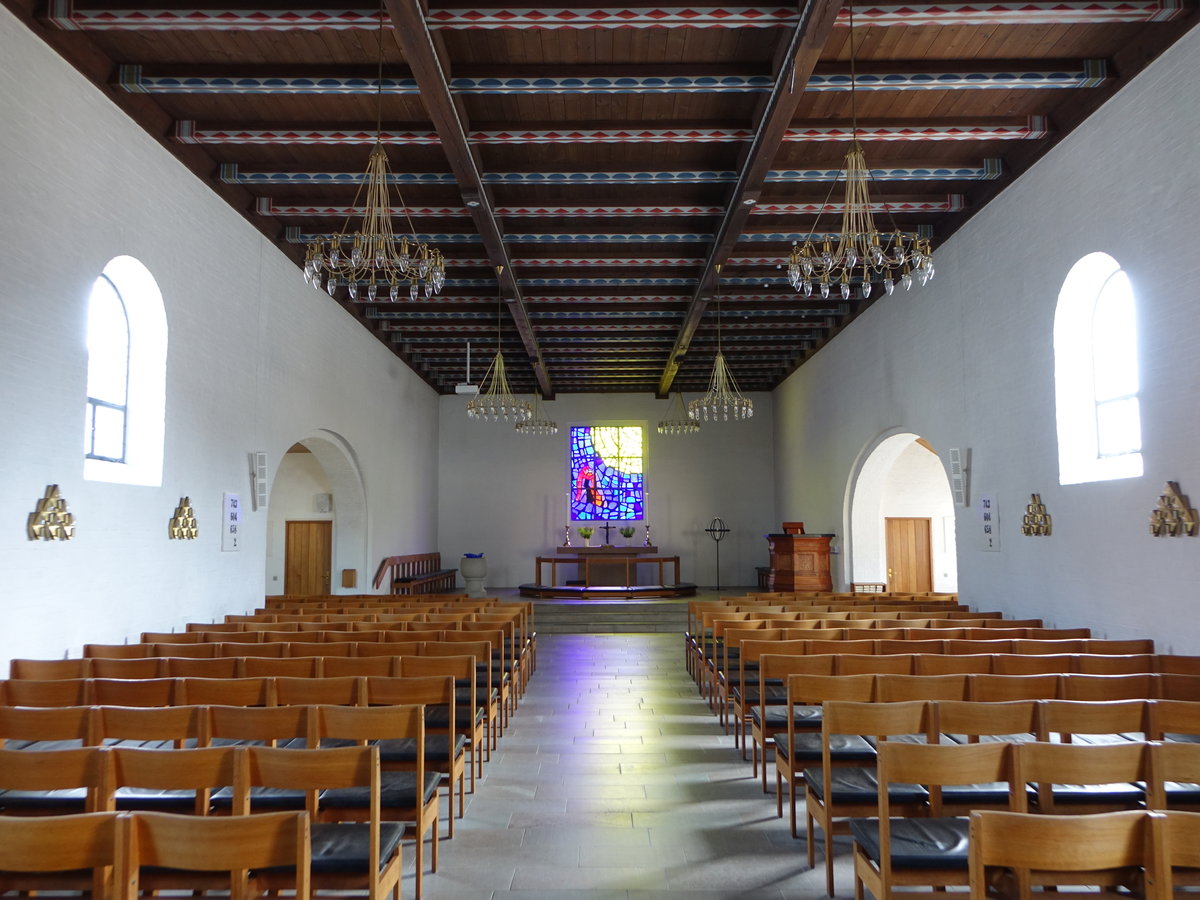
x,y
317,519
901,518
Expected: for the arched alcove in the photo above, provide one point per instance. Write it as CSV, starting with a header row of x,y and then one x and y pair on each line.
x,y
898,476
319,480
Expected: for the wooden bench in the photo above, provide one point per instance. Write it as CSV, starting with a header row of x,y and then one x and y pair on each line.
x,y
416,574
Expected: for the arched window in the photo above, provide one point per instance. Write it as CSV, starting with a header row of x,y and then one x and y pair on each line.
x,y
126,376
1096,374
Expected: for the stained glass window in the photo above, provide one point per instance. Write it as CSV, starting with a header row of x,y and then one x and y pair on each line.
x,y
606,473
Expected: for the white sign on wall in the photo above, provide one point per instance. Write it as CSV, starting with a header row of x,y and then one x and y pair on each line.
x,y
989,522
231,521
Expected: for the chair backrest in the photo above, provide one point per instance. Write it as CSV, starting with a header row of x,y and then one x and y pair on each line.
x,y
936,765
1053,849
816,689
247,724
299,667
359,667
235,649
1064,718
55,692
50,669
995,688
57,770
226,691
1108,687
389,648
1183,665
185,651
893,688
973,719
1046,765
1174,686
234,844
950,664
1114,664
1176,838
878,720
181,725
200,770
1170,717
121,651
856,664
1032,664
134,692
213,667
63,724
51,844
344,691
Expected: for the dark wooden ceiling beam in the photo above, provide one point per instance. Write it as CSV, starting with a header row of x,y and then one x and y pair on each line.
x,y
426,56
798,62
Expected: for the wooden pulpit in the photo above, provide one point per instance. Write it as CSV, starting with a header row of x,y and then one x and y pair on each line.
x,y
799,562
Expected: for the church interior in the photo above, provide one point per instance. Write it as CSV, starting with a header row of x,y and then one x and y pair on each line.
x,y
617,221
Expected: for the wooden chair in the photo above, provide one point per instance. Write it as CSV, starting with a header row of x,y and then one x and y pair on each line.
x,y
831,795
470,712
481,652
1123,664
1108,687
270,726
748,682
235,852
444,751
801,744
325,650
345,855
144,667
345,691
83,852
931,849
1084,778
1040,850
121,651
212,667
227,648
1174,686
53,692
185,651
949,664
135,692
769,716
360,667
407,795
857,664
300,667
974,722
1032,664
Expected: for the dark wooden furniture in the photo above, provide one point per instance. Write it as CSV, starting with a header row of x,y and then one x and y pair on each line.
x,y
799,562
417,573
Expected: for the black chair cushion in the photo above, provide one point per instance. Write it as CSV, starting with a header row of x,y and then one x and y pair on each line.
x,y
404,750
344,848
990,793
1118,793
807,747
1178,793
61,802
807,717
263,799
1023,738
154,800
398,791
853,784
917,843
1182,738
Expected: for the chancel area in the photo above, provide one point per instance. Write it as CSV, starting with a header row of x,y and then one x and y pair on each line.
x,y
419,326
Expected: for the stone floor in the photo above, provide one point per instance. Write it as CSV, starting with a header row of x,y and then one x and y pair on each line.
x,y
615,782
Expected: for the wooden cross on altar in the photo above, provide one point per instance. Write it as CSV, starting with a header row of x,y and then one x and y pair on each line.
x,y
607,529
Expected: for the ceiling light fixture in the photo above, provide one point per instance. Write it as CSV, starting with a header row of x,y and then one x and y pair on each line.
x,y
863,254
373,257
677,421
723,400
539,423
495,400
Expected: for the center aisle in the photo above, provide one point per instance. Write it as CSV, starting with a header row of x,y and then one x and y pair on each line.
x,y
615,781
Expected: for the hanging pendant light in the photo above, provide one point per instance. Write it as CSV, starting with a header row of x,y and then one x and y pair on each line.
x,y
863,255
539,423
495,400
677,421
723,400
372,258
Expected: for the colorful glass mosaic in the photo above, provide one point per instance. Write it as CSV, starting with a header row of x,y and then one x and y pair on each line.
x,y
606,473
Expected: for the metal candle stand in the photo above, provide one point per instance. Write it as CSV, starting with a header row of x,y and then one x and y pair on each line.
x,y
717,529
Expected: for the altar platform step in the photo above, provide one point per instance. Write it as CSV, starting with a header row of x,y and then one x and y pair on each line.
x,y
600,617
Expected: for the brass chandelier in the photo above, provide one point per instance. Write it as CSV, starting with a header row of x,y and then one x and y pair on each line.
x,y
373,257
677,420
723,400
863,254
538,423
495,400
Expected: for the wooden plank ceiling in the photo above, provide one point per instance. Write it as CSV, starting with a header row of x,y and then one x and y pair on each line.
x,y
610,158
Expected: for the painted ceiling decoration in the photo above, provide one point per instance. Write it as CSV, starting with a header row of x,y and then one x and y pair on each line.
x,y
614,163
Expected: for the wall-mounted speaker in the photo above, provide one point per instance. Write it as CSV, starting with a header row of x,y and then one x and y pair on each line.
x,y
258,473
959,465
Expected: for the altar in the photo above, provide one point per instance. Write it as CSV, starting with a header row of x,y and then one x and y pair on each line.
x,y
607,571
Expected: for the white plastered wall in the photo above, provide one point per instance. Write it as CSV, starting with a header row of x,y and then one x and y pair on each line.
x,y
256,361
967,362
505,494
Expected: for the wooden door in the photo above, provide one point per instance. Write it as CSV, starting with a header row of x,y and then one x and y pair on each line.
x,y
909,560
308,557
